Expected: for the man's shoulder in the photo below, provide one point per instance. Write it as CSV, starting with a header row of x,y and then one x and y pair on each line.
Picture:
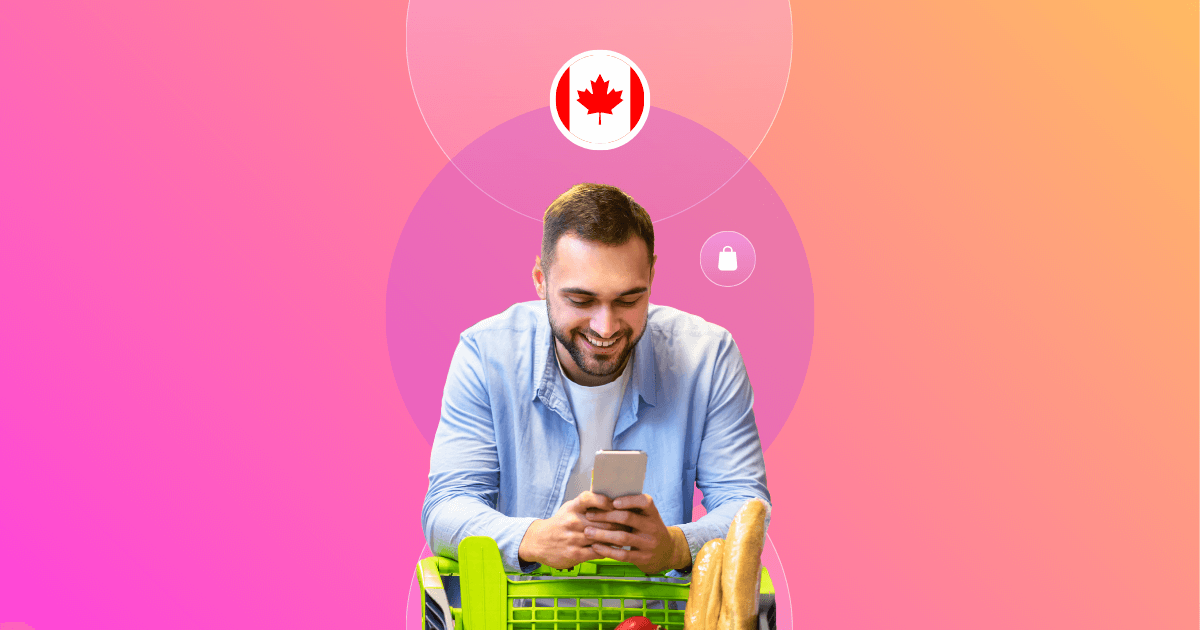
x,y
520,317
672,328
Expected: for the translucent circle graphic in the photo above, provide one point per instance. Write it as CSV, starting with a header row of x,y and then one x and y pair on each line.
x,y
474,65
770,559
727,259
459,261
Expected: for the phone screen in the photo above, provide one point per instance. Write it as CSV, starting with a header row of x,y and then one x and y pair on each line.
x,y
618,473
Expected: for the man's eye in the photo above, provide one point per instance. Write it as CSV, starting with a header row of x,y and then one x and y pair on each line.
x,y
589,301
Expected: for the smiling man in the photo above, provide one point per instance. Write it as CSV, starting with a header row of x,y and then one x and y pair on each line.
x,y
535,391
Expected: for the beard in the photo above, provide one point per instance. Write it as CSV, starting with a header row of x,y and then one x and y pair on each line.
x,y
588,361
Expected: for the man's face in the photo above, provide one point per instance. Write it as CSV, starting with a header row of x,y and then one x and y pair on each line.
x,y
597,297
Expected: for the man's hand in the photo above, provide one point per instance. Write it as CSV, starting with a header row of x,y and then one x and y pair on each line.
x,y
654,547
559,541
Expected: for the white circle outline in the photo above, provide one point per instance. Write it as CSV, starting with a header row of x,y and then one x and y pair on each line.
x,y
417,100
413,582
752,250
580,142
783,574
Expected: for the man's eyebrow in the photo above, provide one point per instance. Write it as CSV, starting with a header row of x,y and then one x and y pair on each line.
x,y
576,291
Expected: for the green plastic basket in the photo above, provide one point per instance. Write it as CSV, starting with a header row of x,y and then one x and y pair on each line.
x,y
596,595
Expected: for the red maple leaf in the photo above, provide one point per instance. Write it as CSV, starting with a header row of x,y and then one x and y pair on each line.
x,y
597,101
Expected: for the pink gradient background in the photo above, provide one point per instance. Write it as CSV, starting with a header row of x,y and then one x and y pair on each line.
x,y
199,426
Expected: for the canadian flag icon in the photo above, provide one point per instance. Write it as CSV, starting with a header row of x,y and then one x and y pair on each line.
x,y
599,99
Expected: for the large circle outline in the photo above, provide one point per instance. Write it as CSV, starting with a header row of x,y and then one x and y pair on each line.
x,y
576,140
786,82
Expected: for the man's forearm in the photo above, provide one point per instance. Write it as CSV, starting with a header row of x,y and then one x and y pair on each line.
x,y
449,521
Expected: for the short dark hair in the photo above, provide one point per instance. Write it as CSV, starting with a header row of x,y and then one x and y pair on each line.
x,y
597,213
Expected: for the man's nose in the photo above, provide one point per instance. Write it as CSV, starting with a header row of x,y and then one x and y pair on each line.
x,y
605,323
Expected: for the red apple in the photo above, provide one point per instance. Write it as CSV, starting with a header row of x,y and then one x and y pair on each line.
x,y
637,623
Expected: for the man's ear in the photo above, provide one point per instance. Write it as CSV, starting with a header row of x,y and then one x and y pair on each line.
x,y
539,278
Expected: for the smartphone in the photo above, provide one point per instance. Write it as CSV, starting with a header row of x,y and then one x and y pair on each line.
x,y
618,473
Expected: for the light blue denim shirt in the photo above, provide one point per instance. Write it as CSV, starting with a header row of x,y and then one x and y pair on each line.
x,y
507,441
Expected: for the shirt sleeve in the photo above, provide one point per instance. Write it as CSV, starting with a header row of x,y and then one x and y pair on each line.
x,y
730,469
464,469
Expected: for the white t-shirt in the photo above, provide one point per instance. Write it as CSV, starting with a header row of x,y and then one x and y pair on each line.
x,y
596,410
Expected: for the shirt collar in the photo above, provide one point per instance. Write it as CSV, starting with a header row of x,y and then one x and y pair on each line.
x,y
549,388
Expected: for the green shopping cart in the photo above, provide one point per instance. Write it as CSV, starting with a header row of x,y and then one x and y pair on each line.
x,y
475,593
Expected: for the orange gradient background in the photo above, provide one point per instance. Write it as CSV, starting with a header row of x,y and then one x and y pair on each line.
x,y
999,424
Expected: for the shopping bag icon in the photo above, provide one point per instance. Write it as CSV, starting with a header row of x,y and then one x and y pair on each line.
x,y
727,260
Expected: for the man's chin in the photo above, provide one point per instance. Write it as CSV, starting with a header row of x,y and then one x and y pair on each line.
x,y
593,363
602,365
596,367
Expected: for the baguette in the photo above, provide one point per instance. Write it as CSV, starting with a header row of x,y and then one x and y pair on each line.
x,y
704,596
741,569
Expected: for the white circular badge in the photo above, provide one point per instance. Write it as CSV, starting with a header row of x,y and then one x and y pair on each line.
x,y
599,99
